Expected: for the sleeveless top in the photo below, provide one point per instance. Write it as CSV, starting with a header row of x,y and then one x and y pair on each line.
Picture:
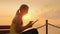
x,y
14,28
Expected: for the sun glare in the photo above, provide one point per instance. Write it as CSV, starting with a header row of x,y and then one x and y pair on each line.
x,y
26,19
27,16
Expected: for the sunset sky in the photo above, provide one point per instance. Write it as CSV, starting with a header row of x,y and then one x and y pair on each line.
x,y
42,9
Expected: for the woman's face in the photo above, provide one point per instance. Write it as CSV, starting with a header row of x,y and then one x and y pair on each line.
x,y
24,11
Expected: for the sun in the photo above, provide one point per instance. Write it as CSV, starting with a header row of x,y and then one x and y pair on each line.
x,y
27,16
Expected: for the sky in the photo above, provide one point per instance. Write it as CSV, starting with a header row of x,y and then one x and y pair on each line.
x,y
42,9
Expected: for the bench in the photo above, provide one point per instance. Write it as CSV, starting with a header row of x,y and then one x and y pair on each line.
x,y
4,29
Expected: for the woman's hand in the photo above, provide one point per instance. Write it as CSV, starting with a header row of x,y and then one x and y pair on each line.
x,y
30,24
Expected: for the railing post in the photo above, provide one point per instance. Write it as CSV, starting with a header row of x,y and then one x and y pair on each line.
x,y
46,26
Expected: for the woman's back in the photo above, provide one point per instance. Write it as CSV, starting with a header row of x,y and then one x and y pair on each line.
x,y
12,29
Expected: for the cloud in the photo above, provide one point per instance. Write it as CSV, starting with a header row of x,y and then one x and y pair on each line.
x,y
52,14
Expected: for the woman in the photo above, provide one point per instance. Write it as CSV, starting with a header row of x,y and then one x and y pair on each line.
x,y
16,26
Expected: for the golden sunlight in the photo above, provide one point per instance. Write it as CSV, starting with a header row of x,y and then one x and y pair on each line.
x,y
26,19
27,16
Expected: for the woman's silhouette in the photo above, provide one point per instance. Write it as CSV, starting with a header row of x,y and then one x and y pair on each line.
x,y
16,26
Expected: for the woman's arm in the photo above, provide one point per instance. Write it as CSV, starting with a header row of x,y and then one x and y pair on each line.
x,y
21,28
27,26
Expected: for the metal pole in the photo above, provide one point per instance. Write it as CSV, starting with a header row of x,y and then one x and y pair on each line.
x,y
46,26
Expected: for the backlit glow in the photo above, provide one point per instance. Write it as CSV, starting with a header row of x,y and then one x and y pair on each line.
x,y
27,16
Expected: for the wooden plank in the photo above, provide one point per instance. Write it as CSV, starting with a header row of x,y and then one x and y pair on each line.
x,y
4,27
